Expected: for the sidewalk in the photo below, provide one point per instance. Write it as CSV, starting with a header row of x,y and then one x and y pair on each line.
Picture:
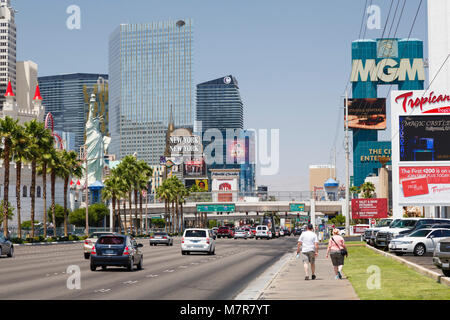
x,y
290,283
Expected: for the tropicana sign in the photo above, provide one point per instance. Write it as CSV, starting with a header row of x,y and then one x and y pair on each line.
x,y
421,101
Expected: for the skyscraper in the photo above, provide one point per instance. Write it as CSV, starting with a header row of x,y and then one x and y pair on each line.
x,y
64,96
219,104
150,69
7,47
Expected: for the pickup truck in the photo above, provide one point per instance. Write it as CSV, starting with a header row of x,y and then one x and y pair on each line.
x,y
225,232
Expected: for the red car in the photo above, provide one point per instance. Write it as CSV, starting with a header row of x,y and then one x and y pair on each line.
x,y
225,232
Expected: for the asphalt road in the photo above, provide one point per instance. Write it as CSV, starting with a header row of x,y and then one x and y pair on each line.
x,y
40,272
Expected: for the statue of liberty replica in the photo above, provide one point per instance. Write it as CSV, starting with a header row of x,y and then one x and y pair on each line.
x,y
96,146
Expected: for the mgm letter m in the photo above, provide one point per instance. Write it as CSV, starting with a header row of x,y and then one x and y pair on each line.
x,y
386,61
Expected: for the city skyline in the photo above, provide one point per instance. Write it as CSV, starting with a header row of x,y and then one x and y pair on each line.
x,y
237,46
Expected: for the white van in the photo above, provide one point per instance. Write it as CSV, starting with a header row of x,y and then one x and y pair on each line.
x,y
198,240
263,231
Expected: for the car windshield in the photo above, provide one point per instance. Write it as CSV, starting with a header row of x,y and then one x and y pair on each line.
x,y
383,223
406,224
195,233
394,223
111,240
420,233
160,234
98,235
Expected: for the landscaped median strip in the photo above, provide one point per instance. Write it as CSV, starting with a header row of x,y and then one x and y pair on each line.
x,y
426,272
375,276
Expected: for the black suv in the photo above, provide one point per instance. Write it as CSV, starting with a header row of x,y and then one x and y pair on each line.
x,y
116,250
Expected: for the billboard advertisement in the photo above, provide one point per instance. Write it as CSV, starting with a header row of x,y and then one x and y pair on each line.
x,y
194,168
202,184
367,113
420,149
369,208
424,138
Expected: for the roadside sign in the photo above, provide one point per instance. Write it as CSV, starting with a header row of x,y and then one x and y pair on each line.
x,y
216,207
296,207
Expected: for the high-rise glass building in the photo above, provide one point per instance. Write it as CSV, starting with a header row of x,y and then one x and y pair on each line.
x,y
219,104
7,48
65,97
150,74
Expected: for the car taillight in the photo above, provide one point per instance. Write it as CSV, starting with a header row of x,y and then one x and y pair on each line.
x,y
182,240
151,237
126,251
165,237
93,251
87,241
207,240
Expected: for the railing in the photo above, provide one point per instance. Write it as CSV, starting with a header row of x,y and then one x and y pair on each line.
x,y
293,196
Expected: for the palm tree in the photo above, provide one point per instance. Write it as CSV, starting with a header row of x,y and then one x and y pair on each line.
x,y
40,143
7,128
112,191
146,173
70,166
184,194
21,154
163,193
54,166
367,189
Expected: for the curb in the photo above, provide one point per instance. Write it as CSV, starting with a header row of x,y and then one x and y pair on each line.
x,y
54,243
256,288
424,271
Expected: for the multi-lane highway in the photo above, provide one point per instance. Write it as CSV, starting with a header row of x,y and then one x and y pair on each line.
x,y
40,272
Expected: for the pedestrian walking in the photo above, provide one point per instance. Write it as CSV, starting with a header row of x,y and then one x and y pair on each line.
x,y
337,251
309,245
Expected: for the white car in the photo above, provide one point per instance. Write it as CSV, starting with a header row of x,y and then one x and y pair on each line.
x,y
419,242
91,241
263,232
242,234
198,240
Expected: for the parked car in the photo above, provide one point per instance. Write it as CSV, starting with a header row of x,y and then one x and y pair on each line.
x,y
6,247
198,240
341,231
90,242
225,232
287,232
441,256
423,223
370,234
298,231
263,231
116,250
241,234
161,238
419,242
385,236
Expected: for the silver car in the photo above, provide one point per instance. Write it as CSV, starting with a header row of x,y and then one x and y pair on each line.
x,y
161,238
241,234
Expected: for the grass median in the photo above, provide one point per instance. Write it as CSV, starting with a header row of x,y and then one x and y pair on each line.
x,y
397,282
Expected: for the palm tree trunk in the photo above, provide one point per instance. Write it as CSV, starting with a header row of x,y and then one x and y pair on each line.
x,y
113,200
52,191
141,225
138,231
178,219
6,153
124,214
44,195
33,196
18,172
131,212
182,219
165,215
66,185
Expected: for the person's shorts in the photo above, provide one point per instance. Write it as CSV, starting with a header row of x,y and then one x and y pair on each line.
x,y
308,257
337,259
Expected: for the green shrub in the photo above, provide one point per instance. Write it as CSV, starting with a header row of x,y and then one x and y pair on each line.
x,y
17,240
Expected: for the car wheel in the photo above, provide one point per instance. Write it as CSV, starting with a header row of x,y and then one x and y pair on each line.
x,y
171,243
130,265
446,272
141,263
93,267
11,252
419,250
188,253
214,251
183,253
1,252
87,255
104,268
167,244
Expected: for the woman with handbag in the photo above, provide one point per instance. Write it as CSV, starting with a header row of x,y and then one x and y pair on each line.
x,y
337,251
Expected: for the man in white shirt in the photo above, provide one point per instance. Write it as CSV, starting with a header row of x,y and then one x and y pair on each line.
x,y
309,245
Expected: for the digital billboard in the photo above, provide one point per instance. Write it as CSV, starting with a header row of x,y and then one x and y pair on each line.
x,y
367,113
424,138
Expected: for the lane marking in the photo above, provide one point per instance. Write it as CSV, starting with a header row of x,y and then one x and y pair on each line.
x,y
151,276
169,270
130,282
102,290
182,267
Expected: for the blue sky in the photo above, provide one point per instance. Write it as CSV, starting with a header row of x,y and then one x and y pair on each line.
x,y
292,58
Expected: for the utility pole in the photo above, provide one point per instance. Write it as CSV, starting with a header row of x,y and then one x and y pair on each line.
x,y
347,170
86,191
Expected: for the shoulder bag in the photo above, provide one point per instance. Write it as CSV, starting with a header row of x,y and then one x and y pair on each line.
x,y
343,251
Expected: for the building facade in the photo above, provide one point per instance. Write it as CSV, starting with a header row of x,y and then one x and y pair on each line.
x,y
150,69
64,96
7,47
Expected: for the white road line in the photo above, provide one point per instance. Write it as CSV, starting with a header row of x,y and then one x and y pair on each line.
x,y
102,290
151,276
129,282
182,267
194,263
169,270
